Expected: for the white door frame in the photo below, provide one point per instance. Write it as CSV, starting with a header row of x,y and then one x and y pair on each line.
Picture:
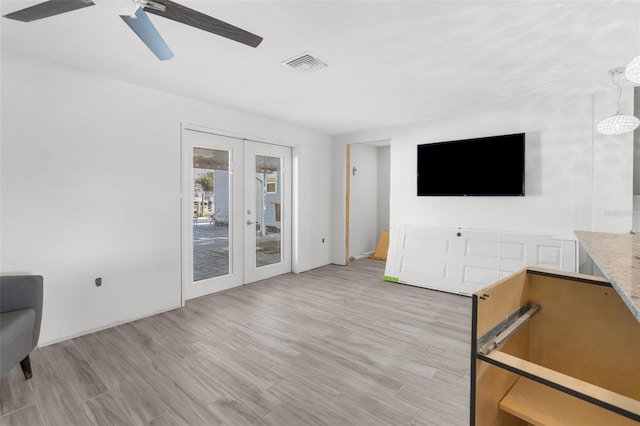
x,y
186,213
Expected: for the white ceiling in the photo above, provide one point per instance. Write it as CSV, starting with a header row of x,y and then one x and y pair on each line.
x,y
390,62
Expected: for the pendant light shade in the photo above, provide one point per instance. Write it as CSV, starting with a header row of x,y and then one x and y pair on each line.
x,y
632,72
619,123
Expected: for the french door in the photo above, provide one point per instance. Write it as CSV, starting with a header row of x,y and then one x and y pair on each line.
x,y
236,212
268,201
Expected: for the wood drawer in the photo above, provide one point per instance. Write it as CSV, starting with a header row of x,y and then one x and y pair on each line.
x,y
575,361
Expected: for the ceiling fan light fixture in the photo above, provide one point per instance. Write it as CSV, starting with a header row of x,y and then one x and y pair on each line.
x,y
632,72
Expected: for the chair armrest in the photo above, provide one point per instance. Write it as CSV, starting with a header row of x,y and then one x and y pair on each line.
x,y
23,292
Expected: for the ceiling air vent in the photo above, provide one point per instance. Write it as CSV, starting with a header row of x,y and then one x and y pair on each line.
x,y
305,62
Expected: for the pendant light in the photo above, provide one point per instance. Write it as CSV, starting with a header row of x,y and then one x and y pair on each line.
x,y
619,123
632,72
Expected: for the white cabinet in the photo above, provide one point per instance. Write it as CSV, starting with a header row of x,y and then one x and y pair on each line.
x,y
462,261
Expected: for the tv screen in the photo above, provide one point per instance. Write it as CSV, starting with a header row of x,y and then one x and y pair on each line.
x,y
473,167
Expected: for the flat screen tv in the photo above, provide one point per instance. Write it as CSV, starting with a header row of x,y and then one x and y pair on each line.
x,y
489,166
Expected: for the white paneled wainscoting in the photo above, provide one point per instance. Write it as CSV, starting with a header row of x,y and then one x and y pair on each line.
x,y
463,261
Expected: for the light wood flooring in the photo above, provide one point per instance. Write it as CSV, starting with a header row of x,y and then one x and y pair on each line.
x,y
332,346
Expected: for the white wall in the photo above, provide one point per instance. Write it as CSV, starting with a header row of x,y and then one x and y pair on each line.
x,y
384,175
572,177
90,186
363,217
613,168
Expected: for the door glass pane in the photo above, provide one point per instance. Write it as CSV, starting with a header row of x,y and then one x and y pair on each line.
x,y
211,213
268,210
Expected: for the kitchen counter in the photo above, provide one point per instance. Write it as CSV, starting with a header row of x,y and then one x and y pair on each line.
x,y
618,257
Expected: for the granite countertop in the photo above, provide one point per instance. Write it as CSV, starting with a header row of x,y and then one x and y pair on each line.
x,y
618,256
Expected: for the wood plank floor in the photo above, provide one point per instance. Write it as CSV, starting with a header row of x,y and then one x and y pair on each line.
x,y
332,346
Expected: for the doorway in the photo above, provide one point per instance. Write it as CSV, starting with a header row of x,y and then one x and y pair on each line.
x,y
368,178
236,212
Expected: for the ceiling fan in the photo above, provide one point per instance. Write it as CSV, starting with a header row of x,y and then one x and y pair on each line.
x,y
136,18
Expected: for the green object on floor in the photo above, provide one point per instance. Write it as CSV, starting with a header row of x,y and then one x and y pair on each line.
x,y
390,279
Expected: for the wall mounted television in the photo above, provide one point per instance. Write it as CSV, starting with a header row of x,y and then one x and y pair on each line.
x,y
488,166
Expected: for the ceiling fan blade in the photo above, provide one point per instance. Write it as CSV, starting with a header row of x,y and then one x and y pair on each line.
x,y
48,8
143,27
193,18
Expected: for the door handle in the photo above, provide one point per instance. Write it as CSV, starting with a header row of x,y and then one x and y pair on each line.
x,y
249,222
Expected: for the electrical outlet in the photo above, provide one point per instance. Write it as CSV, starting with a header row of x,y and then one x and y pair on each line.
x,y
98,282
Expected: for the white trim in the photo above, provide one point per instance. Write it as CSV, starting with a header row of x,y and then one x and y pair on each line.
x,y
295,258
181,216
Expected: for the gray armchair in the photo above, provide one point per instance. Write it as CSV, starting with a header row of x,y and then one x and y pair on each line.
x,y
20,316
